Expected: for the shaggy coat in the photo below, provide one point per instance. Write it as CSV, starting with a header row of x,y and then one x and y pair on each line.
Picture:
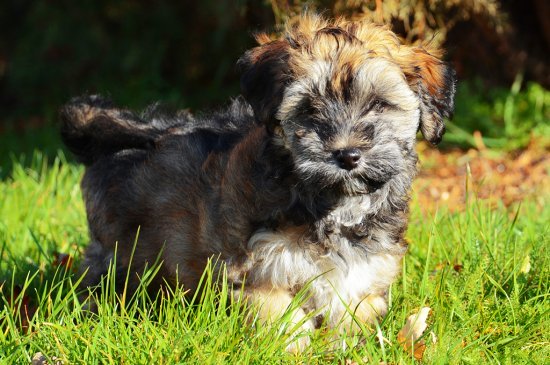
x,y
303,181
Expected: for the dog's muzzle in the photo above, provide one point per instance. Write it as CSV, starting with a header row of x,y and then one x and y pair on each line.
x,y
348,158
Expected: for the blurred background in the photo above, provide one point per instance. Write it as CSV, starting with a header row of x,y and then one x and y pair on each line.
x,y
184,53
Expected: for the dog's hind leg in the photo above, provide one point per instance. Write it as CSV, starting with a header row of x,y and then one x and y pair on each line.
x,y
98,263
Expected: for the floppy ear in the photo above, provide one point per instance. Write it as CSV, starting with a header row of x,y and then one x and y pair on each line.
x,y
265,73
434,82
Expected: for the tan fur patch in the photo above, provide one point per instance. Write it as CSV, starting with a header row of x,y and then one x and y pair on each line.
x,y
347,44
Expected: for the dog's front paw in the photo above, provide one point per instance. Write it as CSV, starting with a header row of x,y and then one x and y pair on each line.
x,y
299,341
275,307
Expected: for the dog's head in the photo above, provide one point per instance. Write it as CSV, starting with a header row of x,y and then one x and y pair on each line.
x,y
347,99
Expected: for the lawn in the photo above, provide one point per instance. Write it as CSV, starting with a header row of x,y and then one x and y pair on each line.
x,y
483,270
479,232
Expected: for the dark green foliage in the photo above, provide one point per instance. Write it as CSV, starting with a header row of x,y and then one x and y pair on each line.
x,y
506,119
184,54
138,51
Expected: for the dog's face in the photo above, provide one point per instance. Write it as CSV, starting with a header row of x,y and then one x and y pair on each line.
x,y
353,134
347,99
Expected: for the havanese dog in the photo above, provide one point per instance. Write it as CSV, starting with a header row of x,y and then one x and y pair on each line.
x,y
300,184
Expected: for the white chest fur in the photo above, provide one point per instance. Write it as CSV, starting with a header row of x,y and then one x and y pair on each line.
x,y
350,211
342,277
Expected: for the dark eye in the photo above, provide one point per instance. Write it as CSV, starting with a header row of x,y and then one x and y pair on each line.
x,y
378,106
323,130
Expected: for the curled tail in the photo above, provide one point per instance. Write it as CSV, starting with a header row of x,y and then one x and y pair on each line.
x,y
92,127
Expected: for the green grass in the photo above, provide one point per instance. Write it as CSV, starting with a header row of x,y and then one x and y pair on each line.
x,y
490,309
15,146
507,119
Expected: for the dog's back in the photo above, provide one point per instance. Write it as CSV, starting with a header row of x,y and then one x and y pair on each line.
x,y
92,127
132,178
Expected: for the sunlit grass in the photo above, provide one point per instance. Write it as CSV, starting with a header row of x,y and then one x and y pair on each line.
x,y
483,271
505,119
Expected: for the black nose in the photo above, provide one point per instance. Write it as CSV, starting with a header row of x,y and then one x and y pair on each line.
x,y
348,158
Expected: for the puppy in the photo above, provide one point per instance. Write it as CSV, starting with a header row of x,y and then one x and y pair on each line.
x,y
303,182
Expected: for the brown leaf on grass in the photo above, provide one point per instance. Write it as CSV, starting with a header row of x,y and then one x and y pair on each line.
x,y
457,267
20,300
412,331
63,260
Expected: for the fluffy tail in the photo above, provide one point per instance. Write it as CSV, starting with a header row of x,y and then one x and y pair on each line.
x,y
92,127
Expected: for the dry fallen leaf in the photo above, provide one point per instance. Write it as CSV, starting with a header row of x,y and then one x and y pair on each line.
x,y
63,260
412,331
505,177
40,359
525,265
20,301
458,267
